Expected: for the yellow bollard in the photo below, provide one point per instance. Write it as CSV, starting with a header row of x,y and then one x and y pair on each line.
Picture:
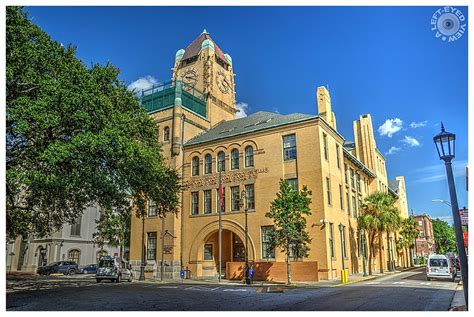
x,y
347,275
342,276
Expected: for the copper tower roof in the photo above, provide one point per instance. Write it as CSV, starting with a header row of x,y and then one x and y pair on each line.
x,y
194,48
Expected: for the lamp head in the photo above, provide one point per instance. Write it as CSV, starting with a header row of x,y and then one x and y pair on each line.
x,y
445,144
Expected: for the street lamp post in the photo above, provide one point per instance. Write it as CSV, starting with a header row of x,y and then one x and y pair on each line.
x,y
243,196
415,251
446,146
142,264
363,253
341,228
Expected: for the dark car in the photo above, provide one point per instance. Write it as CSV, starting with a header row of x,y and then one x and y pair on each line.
x,y
64,267
88,269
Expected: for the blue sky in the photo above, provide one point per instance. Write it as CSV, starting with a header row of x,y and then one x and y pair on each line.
x,y
385,61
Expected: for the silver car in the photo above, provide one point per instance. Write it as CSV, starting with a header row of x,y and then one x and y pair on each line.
x,y
113,268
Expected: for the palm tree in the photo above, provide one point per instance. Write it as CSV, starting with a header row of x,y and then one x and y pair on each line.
x,y
378,216
389,222
409,233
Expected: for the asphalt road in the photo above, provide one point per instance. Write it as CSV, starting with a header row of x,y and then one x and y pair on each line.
x,y
406,291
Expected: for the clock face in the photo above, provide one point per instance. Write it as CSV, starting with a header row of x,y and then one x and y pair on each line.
x,y
223,82
190,76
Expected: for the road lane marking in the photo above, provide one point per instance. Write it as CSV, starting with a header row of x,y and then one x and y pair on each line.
x,y
425,283
373,282
235,290
167,286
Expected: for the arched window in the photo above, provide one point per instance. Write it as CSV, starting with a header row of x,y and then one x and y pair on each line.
x,y
100,254
74,255
234,159
249,156
195,166
166,134
208,164
220,161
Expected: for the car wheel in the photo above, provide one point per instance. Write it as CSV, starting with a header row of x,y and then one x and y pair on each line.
x,y
118,279
71,272
98,280
130,278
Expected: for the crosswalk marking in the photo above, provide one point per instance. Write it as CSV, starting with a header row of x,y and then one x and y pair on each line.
x,y
235,290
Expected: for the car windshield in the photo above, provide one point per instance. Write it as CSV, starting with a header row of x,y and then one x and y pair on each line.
x,y
439,262
106,263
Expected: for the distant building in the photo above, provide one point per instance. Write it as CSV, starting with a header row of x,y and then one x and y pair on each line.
x,y
73,242
425,244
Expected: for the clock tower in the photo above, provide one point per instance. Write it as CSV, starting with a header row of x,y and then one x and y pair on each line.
x,y
204,68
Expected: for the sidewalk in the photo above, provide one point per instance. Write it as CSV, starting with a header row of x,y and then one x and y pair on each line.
x,y
458,303
354,278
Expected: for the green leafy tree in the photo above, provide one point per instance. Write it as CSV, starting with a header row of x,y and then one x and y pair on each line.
x,y
408,234
378,216
75,137
112,228
390,220
444,237
287,212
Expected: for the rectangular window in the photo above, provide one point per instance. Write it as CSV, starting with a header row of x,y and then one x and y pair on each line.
x,y
340,197
354,207
218,200
207,201
293,183
250,196
338,159
328,189
151,208
76,227
358,182
331,239
325,146
234,198
289,147
208,255
345,174
194,203
268,250
348,204
352,179
360,206
151,246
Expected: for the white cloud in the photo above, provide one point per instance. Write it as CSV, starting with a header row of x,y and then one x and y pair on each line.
x,y
242,107
393,150
421,124
143,83
411,141
390,127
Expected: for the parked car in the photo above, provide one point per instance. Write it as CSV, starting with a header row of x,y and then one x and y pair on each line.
x,y
113,268
88,269
64,267
440,267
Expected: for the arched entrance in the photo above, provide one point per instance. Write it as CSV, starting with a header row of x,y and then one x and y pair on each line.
x,y
204,253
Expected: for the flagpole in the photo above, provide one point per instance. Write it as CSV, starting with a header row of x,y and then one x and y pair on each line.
x,y
220,226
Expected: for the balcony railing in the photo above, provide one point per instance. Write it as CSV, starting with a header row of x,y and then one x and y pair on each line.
x,y
164,96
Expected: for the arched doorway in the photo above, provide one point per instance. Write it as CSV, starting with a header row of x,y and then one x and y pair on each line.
x,y
204,254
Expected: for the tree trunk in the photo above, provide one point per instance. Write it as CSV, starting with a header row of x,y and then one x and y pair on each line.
x,y
371,251
407,258
288,268
389,262
380,252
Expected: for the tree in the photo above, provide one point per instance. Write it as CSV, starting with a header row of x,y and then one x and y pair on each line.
x,y
444,237
390,221
113,228
287,212
75,137
378,216
408,234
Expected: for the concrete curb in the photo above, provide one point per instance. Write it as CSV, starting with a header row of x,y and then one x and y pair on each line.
x,y
457,302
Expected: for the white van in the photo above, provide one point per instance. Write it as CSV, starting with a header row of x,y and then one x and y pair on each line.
x,y
114,269
440,266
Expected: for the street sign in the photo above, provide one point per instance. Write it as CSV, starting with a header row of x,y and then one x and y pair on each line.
x,y
464,216
466,239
